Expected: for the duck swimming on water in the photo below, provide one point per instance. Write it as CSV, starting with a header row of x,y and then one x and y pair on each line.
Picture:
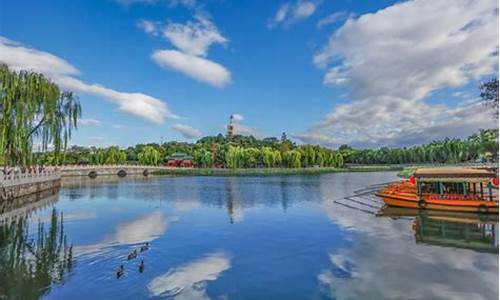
x,y
141,266
145,247
132,255
120,272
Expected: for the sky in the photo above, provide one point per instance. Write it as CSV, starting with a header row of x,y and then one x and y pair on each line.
x,y
363,73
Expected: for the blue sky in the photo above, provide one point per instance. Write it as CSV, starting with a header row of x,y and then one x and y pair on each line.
x,y
366,73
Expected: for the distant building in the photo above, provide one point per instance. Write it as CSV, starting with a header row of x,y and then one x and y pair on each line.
x,y
230,128
179,160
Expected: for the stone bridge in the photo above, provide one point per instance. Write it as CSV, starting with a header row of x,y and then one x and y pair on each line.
x,y
118,170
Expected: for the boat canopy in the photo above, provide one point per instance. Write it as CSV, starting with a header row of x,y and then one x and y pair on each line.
x,y
454,174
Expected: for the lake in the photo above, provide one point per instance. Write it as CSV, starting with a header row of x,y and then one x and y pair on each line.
x,y
293,237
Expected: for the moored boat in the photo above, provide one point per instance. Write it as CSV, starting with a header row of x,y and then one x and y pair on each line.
x,y
446,189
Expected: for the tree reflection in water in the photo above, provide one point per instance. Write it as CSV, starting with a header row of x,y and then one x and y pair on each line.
x,y
478,232
29,266
441,231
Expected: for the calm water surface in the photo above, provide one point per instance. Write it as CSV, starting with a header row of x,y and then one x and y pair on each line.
x,y
238,238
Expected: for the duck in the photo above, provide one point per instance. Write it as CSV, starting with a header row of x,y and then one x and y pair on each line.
x,y
120,272
145,247
132,255
141,266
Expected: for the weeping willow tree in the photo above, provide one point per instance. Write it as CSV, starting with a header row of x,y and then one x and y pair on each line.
x,y
149,156
33,108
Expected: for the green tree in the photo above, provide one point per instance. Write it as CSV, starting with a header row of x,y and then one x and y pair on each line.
x,y
277,158
114,155
32,107
268,157
250,157
203,158
149,156
292,158
234,157
489,94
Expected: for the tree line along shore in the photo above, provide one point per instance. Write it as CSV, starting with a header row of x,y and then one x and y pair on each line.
x,y
246,152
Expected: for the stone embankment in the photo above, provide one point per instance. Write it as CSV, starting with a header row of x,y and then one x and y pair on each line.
x,y
17,184
19,188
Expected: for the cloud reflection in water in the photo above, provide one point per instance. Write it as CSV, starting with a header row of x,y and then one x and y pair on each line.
x,y
144,229
384,257
189,281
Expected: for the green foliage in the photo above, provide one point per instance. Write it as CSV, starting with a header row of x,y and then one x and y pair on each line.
x,y
482,146
235,157
251,156
268,157
114,156
149,156
202,158
108,156
489,94
292,158
32,107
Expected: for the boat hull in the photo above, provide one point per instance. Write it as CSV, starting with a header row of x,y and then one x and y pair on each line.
x,y
408,199
450,216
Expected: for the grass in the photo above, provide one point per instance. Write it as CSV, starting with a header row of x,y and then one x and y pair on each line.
x,y
269,171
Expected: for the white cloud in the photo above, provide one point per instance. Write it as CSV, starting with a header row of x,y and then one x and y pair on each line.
x,y
129,2
304,9
18,58
89,122
333,18
194,38
189,281
289,13
389,70
63,73
144,106
172,3
282,13
238,117
148,27
186,131
314,137
242,129
196,67
186,3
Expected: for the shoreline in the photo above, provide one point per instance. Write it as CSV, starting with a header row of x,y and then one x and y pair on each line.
x,y
270,171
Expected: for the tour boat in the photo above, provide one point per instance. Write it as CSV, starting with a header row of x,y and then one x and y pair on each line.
x,y
448,189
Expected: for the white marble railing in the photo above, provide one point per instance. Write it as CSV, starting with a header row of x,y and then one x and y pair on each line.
x,y
16,177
